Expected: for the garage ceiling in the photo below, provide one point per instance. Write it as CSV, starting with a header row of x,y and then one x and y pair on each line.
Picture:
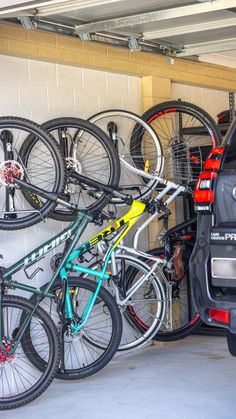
x,y
181,28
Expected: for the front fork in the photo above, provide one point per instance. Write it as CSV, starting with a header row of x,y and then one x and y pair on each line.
x,y
2,346
7,141
67,311
21,331
67,305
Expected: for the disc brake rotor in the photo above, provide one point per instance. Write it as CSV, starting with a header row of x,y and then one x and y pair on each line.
x,y
9,170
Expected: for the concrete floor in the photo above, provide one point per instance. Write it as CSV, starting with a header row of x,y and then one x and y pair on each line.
x,y
191,379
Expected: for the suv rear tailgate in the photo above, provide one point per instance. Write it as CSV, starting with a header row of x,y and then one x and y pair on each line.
x,y
223,233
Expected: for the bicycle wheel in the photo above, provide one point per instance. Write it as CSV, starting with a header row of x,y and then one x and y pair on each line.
x,y
187,134
87,151
20,381
142,304
184,317
44,169
124,129
96,344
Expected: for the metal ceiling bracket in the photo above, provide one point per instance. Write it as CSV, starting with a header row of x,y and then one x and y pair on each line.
x,y
170,60
134,44
168,50
85,37
28,22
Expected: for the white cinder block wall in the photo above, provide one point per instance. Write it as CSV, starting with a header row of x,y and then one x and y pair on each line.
x,y
41,91
212,101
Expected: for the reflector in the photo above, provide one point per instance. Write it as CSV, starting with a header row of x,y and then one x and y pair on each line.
x,y
221,316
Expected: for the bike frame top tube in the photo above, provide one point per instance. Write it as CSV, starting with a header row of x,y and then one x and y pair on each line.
x,y
49,245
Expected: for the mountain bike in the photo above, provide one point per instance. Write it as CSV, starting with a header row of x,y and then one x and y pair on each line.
x,y
86,150
44,169
30,349
31,161
86,153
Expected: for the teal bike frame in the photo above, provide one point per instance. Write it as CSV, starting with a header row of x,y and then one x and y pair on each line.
x,y
71,235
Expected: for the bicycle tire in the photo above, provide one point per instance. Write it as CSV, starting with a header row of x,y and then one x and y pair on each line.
x,y
182,128
140,323
183,330
48,174
124,128
108,305
96,158
20,376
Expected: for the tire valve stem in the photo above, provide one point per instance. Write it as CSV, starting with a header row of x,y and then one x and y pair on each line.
x,y
147,166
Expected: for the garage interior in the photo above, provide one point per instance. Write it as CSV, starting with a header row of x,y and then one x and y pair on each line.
x,y
79,57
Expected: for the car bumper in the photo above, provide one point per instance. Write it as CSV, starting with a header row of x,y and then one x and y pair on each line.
x,y
206,296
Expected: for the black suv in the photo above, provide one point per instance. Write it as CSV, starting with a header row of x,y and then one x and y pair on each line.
x,y
213,261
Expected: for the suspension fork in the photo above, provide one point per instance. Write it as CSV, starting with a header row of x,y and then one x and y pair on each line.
x,y
7,141
113,133
66,305
63,141
1,314
24,324
88,308
69,312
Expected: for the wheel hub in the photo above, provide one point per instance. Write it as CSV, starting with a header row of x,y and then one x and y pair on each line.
x,y
9,170
70,336
5,356
73,164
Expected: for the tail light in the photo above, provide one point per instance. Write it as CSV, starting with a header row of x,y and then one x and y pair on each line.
x,y
219,316
204,191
